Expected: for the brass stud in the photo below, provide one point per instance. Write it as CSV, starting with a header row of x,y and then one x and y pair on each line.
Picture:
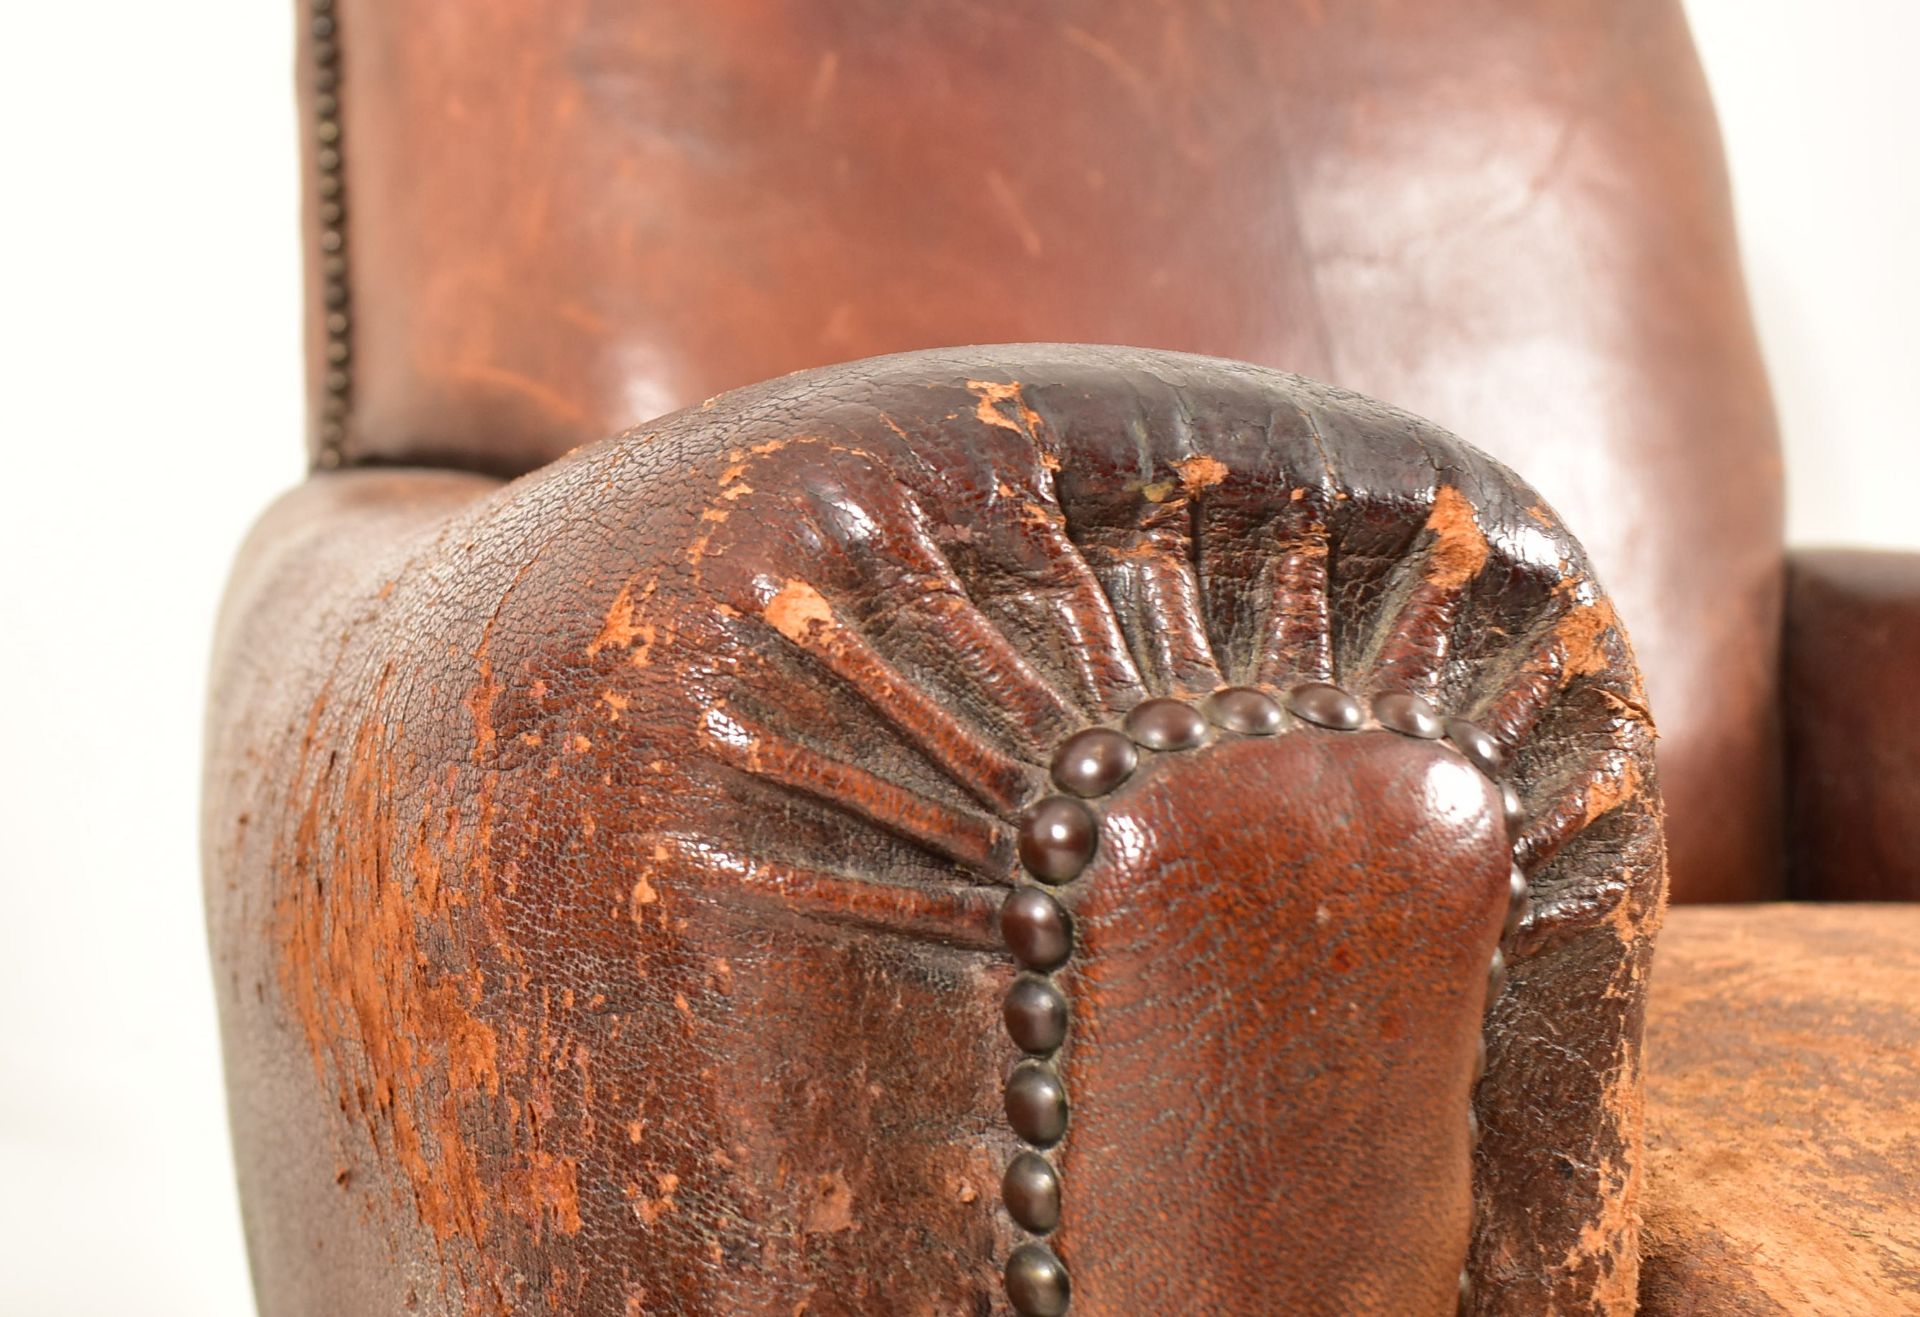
x,y
1037,1282
1036,928
1036,1104
1094,762
1244,710
1519,901
1036,1016
1408,714
1056,838
1031,1191
1476,744
1166,725
1325,705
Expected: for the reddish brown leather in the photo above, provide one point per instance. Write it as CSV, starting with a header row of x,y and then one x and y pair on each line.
x,y
570,215
578,949
1783,1113
1852,705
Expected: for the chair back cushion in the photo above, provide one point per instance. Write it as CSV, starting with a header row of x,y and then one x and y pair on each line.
x,y
539,221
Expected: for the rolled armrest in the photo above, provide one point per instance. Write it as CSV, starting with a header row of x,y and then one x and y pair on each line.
x,y
1852,720
938,834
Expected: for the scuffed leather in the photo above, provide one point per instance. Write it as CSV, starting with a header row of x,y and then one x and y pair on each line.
x,y
1852,713
1783,1113
545,987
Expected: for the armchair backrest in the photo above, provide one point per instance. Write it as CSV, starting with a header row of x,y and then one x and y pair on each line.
x,y
536,222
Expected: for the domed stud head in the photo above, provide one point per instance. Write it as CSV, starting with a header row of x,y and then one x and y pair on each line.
x,y
1496,976
1244,710
1512,808
1036,1104
1408,714
1519,901
1031,1191
1166,725
1094,762
1057,837
1036,1282
1473,741
1325,706
1036,929
1036,1016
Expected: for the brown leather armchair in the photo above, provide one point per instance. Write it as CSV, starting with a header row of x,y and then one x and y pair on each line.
x,y
994,829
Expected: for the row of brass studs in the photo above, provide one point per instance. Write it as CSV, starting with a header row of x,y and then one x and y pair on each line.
x,y
1412,716
1057,838
331,202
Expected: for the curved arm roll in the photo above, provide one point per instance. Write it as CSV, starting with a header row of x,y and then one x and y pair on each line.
x,y
957,832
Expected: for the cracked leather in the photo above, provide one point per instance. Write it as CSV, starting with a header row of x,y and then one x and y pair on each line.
x,y
603,867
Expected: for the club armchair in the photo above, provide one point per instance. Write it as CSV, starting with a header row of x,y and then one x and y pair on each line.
x,y
937,815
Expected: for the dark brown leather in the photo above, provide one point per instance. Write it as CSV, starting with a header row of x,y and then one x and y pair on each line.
x,y
565,216
1852,703
1783,1113
604,868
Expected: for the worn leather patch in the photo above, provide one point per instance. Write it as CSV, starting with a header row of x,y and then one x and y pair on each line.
x,y
607,874
1783,1108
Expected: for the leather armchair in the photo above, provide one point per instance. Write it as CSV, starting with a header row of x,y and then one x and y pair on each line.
x,y
1010,828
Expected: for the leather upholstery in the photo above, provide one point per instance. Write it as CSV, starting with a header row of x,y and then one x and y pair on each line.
x,y
1783,1113
604,867
568,216
1853,724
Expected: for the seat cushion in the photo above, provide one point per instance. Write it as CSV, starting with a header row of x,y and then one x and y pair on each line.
x,y
1783,1111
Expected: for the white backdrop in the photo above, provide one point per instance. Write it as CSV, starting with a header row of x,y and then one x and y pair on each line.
x,y
149,311
1820,109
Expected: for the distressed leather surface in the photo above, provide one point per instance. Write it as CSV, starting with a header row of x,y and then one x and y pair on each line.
x,y
1783,1113
1509,216
1852,709
603,867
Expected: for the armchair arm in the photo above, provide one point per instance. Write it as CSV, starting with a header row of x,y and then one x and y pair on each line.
x,y
932,835
1852,718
